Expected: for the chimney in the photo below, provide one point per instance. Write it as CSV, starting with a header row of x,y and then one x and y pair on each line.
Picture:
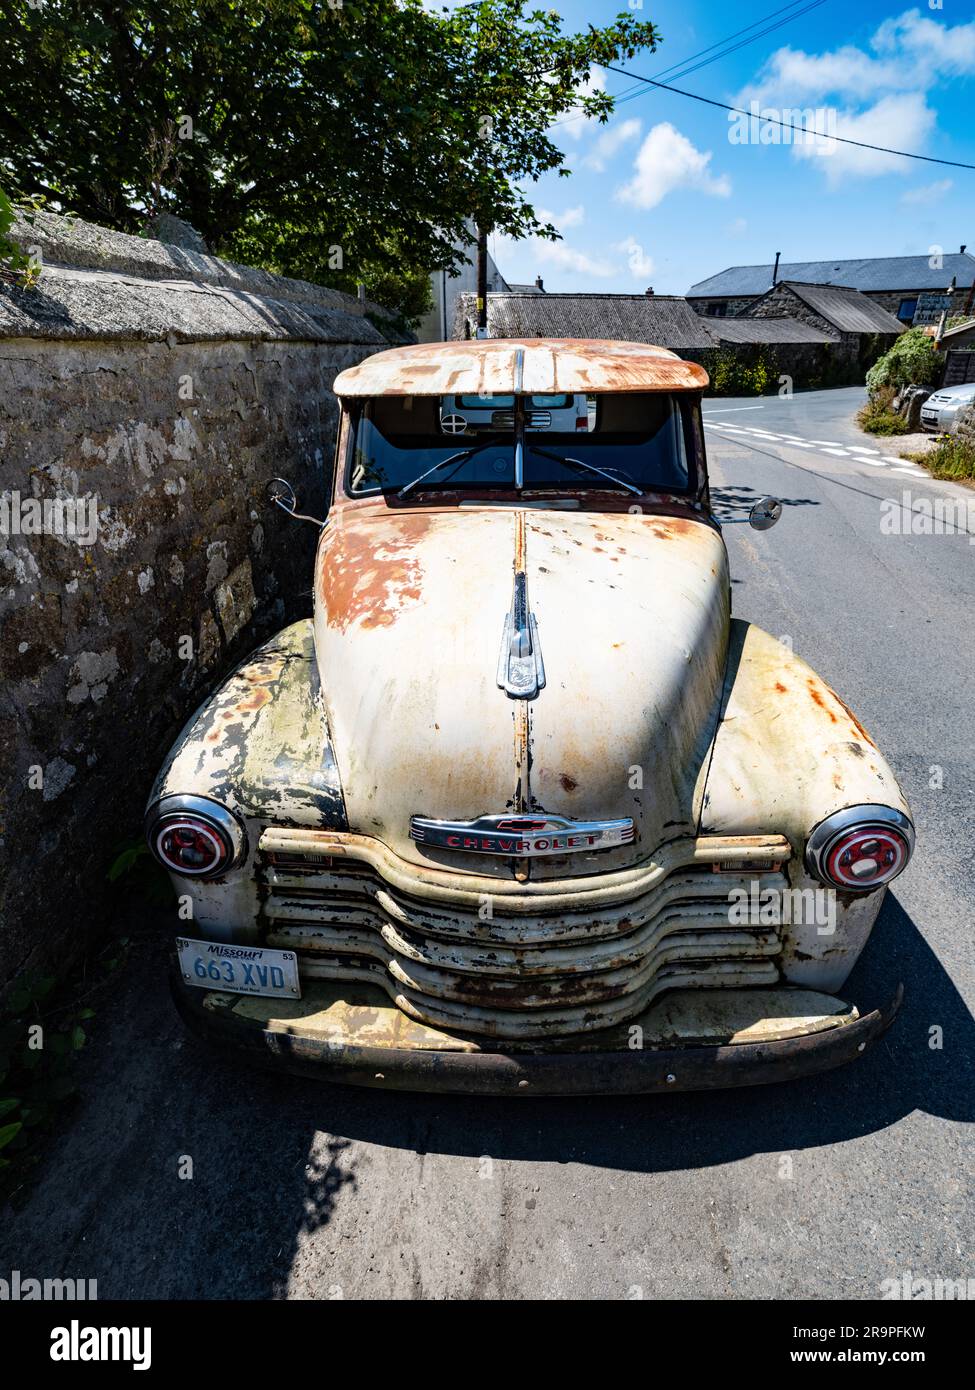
x,y
775,270
649,291
962,250
539,285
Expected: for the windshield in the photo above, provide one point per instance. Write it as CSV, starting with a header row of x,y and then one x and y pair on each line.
x,y
634,441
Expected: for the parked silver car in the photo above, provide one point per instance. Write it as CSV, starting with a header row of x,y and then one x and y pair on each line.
x,y
940,411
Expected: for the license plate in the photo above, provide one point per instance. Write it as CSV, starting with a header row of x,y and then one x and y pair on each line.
x,y
238,969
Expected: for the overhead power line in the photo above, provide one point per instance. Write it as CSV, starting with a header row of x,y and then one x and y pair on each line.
x,y
690,64
789,125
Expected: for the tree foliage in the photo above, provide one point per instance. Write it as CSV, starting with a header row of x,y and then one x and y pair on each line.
x,y
344,140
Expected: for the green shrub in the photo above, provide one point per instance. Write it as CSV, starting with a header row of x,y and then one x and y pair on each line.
x,y
38,1041
15,265
950,458
43,1027
740,373
912,361
878,416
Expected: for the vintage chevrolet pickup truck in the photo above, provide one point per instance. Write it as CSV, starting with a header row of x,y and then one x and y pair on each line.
x,y
522,809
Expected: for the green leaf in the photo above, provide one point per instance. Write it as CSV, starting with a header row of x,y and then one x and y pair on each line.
x,y
7,1104
9,1132
78,1036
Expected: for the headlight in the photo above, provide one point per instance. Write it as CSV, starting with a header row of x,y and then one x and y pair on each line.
x,y
194,837
860,848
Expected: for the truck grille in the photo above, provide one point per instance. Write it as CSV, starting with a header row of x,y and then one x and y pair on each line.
x,y
508,966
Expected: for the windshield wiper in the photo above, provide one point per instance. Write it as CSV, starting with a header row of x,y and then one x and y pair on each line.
x,y
454,458
625,481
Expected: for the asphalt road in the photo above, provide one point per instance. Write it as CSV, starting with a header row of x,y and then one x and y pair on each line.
x,y
823,1188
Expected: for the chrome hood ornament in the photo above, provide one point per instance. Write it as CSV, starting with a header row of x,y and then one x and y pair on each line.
x,y
527,836
521,671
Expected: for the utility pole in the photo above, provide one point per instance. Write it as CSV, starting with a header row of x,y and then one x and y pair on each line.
x,y
944,317
481,267
482,282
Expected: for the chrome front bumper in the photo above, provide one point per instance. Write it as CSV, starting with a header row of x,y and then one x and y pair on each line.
x,y
689,1040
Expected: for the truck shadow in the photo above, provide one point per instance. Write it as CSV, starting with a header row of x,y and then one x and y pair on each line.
x,y
926,1061
185,1176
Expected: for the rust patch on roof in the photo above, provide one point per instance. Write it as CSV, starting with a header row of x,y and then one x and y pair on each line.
x,y
550,366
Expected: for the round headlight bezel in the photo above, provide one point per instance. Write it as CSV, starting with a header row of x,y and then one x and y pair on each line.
x,y
213,825
859,835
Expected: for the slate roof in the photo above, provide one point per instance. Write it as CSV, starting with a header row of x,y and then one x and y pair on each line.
x,y
784,330
667,320
846,309
869,273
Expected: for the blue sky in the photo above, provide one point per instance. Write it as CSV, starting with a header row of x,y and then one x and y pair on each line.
x,y
661,195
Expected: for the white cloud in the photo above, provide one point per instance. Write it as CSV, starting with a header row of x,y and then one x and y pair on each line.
x,y
910,53
667,160
568,258
610,141
738,227
534,251
571,217
934,48
639,263
928,192
881,90
791,76
902,122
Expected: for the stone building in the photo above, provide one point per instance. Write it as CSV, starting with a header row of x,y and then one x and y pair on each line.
x,y
665,320
894,282
863,328
806,346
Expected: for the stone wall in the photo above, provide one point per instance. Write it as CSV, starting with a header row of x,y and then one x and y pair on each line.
x,y
733,306
783,302
149,393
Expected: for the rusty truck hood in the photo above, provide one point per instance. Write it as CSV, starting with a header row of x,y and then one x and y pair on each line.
x,y
632,620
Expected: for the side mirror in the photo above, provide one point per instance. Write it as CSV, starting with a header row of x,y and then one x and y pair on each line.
x,y
280,492
765,513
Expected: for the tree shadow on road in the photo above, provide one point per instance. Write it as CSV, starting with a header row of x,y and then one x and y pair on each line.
x,y
732,503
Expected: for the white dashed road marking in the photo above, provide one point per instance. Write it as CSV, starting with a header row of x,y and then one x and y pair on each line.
x,y
828,448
